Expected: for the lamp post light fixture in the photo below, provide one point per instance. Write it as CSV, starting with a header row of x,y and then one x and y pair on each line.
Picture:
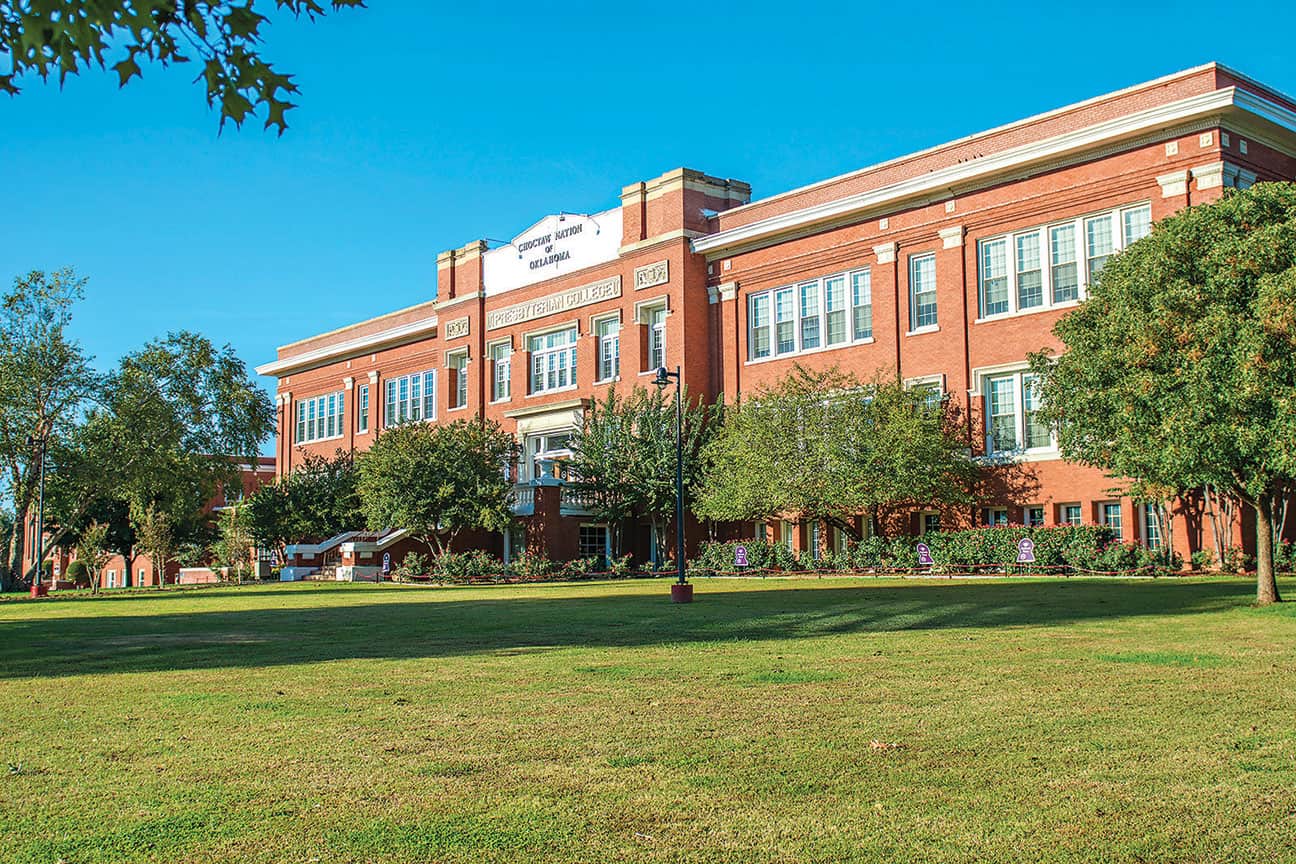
x,y
681,591
39,444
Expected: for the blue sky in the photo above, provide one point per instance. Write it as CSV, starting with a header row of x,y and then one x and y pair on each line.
x,y
420,130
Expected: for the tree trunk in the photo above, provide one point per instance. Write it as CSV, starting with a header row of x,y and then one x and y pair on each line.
x,y
1266,584
13,573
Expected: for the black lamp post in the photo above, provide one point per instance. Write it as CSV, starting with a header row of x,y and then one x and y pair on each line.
x,y
39,443
681,591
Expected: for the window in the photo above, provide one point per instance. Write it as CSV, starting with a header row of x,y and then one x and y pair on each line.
x,y
931,523
922,291
809,293
1137,222
608,331
362,416
320,418
547,446
758,319
501,354
1152,526
1069,514
553,360
1012,414
785,530
994,277
593,542
655,320
821,313
1111,517
816,538
1098,243
931,389
1066,275
995,516
458,365
1029,284
784,326
1034,517
410,398
862,304
1030,276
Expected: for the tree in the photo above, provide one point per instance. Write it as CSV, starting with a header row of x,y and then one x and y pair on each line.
x,y
436,481
824,446
234,545
1180,368
623,457
157,537
315,501
60,37
45,381
92,551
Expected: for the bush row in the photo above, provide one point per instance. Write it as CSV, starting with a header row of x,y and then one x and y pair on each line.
x,y
479,566
1076,547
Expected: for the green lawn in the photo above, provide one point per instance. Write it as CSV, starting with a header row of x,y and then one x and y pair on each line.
x,y
790,721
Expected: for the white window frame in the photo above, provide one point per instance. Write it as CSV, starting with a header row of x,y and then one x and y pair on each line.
x,y
563,366
1064,516
1026,519
923,516
1147,515
1047,262
362,409
654,333
1120,516
916,324
501,361
317,421
854,284
994,516
411,392
1020,377
934,383
457,362
608,346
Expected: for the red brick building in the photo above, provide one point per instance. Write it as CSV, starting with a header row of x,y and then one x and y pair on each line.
x,y
947,266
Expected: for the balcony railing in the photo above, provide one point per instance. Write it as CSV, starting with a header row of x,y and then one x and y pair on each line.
x,y
523,499
573,501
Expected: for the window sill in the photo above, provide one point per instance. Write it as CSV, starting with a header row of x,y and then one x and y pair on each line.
x,y
792,355
613,380
456,408
918,331
1038,454
319,440
540,393
1034,310
504,401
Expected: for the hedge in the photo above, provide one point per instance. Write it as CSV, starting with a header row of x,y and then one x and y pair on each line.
x,y
1074,547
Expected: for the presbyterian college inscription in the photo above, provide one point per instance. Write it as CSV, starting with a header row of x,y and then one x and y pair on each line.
x,y
595,292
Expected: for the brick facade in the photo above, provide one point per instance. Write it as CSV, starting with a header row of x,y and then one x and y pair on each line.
x,y
698,245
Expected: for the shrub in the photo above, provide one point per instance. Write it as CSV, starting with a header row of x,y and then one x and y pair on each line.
x,y
1235,560
1202,559
412,566
77,573
620,567
461,567
579,568
532,567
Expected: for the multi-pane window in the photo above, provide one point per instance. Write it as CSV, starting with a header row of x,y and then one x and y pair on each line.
x,y
1034,517
362,415
458,364
1152,525
320,417
553,360
1069,514
1099,244
809,303
608,331
922,291
410,398
758,333
654,319
994,277
931,523
995,516
593,541
1012,414
501,358
1047,267
862,304
819,313
1111,517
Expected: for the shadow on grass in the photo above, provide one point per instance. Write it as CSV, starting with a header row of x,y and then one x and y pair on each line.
x,y
347,625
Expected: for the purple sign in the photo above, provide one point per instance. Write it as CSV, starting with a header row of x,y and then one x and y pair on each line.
x,y
386,564
1026,551
924,555
740,556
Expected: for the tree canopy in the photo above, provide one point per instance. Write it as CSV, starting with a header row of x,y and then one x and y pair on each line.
x,y
1180,368
436,481
826,446
60,38
315,501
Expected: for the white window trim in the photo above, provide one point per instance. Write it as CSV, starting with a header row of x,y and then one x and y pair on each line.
x,y
1117,215
595,321
914,327
361,409
1102,516
451,355
981,390
321,398
1143,527
490,355
573,345
422,376
797,350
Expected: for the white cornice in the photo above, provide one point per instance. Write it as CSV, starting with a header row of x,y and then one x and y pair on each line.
x,y
982,170
358,345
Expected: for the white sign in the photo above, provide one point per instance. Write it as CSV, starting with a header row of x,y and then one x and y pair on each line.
x,y
456,328
554,246
542,307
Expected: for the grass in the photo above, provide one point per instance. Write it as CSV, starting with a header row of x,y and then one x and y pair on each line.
x,y
777,721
